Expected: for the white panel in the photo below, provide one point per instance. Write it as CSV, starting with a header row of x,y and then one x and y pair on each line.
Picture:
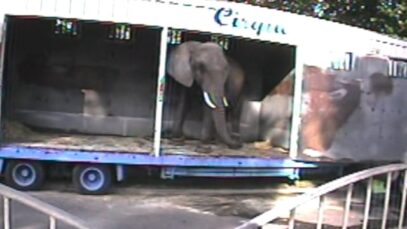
x,y
92,8
202,16
120,10
78,8
105,10
34,6
63,8
48,7
17,6
143,12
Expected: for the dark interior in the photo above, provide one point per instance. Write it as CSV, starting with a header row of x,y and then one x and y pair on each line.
x,y
85,77
84,80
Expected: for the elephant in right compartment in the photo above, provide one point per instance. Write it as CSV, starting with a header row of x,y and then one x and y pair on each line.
x,y
221,80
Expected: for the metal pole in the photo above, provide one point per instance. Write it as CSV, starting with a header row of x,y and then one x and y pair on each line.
x,y
386,200
347,206
291,221
52,223
403,201
297,100
6,213
367,203
160,92
320,212
3,27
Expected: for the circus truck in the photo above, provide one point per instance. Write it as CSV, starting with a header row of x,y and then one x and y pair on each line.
x,y
98,89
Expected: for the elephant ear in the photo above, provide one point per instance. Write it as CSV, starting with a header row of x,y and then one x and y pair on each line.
x,y
179,66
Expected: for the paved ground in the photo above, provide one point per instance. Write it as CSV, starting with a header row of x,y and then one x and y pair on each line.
x,y
200,204
171,205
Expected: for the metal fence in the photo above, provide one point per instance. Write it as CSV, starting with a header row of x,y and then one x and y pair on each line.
x,y
54,214
372,198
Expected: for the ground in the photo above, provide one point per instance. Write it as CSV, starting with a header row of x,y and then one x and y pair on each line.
x,y
179,204
198,204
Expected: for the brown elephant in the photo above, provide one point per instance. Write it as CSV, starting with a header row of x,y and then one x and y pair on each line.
x,y
221,80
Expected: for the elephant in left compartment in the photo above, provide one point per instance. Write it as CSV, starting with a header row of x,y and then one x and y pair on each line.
x,y
221,80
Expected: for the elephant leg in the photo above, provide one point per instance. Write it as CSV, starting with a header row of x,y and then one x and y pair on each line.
x,y
235,119
236,112
179,114
208,127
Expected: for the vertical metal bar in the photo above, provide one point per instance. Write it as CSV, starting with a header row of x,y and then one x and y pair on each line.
x,y
7,213
291,220
160,92
403,201
70,7
386,200
3,25
113,8
347,206
320,219
52,223
367,203
297,101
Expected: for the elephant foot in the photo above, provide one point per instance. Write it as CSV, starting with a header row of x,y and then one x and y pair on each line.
x,y
264,145
203,149
178,141
208,141
235,145
236,136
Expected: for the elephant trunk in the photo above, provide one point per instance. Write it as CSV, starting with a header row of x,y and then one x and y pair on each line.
x,y
219,119
218,104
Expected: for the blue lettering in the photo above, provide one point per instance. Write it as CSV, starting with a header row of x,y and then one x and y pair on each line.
x,y
242,23
235,22
257,26
222,12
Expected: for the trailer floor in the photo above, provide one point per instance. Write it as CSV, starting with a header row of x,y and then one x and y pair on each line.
x,y
18,134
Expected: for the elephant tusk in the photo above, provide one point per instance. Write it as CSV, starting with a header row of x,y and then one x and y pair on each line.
x,y
208,100
225,102
338,94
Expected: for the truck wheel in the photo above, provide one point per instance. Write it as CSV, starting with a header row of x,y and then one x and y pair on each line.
x,y
92,179
24,175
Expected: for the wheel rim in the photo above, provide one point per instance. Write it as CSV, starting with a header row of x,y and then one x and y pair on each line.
x,y
92,179
24,174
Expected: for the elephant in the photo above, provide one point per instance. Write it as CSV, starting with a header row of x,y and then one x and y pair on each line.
x,y
221,80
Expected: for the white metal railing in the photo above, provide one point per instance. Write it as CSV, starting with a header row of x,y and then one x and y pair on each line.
x,y
53,213
348,182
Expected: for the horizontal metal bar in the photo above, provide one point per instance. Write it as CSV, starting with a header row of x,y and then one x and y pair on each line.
x,y
170,172
145,158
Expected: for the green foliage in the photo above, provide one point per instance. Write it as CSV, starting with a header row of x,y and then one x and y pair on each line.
x,y
384,16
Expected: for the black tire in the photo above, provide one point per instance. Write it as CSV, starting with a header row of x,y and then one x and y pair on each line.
x,y
92,179
24,175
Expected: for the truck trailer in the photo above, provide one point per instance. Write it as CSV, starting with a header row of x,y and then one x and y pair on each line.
x,y
92,87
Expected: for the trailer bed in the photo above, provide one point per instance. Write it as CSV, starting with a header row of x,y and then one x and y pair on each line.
x,y
17,134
